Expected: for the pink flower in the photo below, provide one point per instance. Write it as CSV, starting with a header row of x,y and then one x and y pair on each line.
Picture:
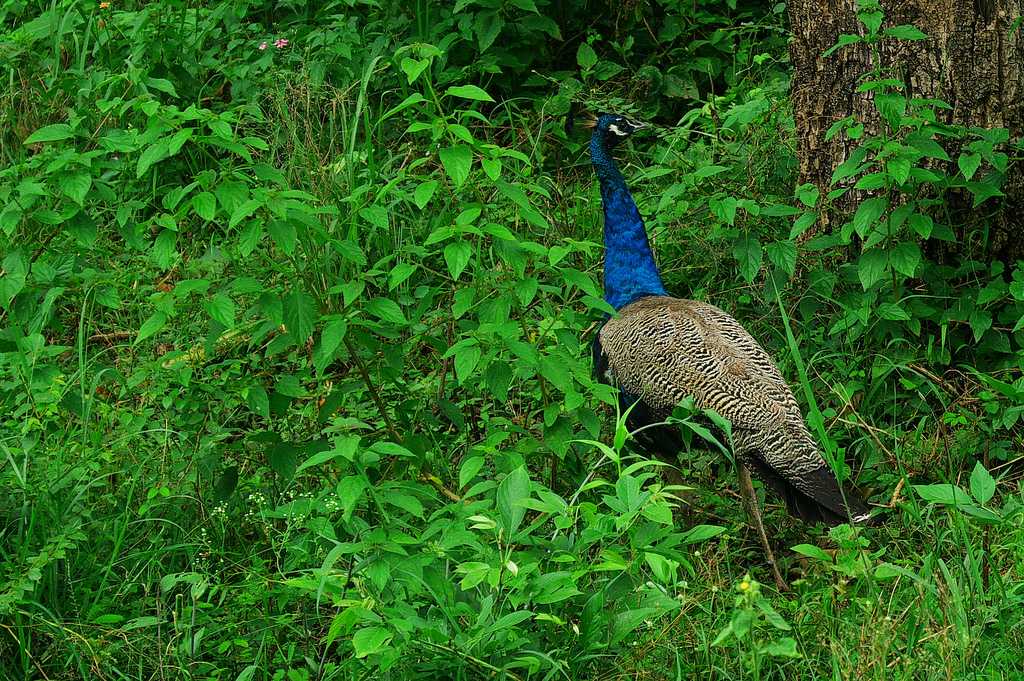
x,y
263,45
281,42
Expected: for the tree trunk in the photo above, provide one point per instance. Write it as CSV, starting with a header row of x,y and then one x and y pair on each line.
x,y
971,60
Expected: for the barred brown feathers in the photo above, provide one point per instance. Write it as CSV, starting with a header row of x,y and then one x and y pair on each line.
x,y
660,350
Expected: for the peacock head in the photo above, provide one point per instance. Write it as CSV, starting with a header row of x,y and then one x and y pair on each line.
x,y
613,128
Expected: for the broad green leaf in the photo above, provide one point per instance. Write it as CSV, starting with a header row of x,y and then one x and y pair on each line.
x,y
980,322
300,313
748,252
258,401
156,321
871,267
154,153
284,235
905,258
424,192
468,470
386,310
585,56
330,339
812,551
983,486
205,205
392,449
514,488
243,211
784,647
12,281
370,640
968,164
700,533
50,133
868,213
946,494
487,27
413,68
469,92
376,216
457,255
222,309
808,194
76,185
518,197
457,161
905,32
892,312
399,274
782,254
466,359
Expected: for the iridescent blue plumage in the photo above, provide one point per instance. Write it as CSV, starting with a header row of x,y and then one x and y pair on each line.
x,y
629,268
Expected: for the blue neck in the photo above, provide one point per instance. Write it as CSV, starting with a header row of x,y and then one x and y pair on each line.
x,y
629,268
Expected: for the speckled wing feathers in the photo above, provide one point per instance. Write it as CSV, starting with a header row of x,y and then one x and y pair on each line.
x,y
663,349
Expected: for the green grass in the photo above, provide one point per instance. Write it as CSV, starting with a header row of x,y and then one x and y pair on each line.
x,y
339,423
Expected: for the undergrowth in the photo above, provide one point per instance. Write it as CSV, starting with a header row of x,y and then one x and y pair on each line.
x,y
295,312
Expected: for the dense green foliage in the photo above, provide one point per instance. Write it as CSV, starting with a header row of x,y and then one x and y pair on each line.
x,y
295,311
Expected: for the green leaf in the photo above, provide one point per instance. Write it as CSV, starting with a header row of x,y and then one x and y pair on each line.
x,y
457,162
154,153
922,224
905,32
457,255
808,194
980,322
76,185
205,205
222,309
982,191
782,254
50,133
585,56
748,252
812,551
15,273
424,192
386,310
487,27
156,321
370,640
905,258
300,313
258,401
413,68
330,339
968,164
469,92
871,267
514,488
868,213
784,647
701,533
392,449
983,486
466,359
284,235
243,211
946,494
468,470
892,312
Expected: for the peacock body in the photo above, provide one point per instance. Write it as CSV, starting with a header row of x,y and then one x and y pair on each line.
x,y
658,350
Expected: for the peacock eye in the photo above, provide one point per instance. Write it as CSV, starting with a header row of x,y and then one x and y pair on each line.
x,y
615,128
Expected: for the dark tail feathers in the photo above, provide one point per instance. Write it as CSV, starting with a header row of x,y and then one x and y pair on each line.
x,y
827,503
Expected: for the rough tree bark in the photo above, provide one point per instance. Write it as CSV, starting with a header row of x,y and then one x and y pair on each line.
x,y
971,60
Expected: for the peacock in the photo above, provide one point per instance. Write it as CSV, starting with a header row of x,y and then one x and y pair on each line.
x,y
658,350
